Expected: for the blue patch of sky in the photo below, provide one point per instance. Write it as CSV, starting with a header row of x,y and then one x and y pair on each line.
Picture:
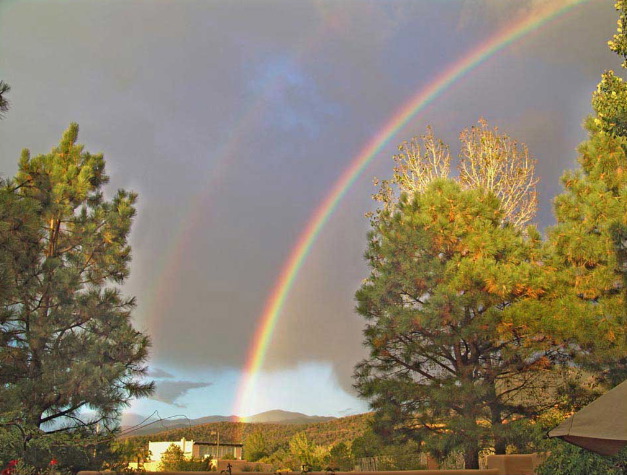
x,y
294,101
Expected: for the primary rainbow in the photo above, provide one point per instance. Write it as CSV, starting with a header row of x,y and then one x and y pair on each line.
x,y
505,37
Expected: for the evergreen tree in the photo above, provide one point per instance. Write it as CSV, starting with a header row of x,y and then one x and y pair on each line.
x,y
172,459
589,242
256,446
447,364
4,102
341,458
66,339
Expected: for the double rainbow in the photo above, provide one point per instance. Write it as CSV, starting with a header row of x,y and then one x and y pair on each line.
x,y
272,310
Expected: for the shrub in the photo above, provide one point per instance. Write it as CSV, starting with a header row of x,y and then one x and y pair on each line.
x,y
566,459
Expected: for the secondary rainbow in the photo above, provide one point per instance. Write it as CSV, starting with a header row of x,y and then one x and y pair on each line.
x,y
268,320
162,289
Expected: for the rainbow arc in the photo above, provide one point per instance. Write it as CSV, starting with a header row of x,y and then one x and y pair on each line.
x,y
510,34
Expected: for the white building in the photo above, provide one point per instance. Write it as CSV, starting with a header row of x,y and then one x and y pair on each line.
x,y
191,450
158,448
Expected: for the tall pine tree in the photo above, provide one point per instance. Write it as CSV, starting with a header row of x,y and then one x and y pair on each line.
x,y
589,242
67,342
450,265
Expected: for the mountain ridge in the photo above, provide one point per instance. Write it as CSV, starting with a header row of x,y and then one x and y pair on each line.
x,y
275,416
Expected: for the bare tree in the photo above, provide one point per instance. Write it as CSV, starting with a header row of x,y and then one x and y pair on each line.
x,y
487,160
420,161
497,163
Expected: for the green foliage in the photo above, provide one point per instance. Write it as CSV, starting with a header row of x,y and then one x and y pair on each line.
x,y
172,459
341,457
19,227
22,468
389,452
342,442
124,451
609,103
281,459
450,356
251,468
588,244
566,459
307,453
276,436
4,102
73,451
66,338
367,445
618,43
398,455
255,446
196,465
446,276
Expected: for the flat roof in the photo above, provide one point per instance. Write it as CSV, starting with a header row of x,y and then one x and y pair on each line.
x,y
225,444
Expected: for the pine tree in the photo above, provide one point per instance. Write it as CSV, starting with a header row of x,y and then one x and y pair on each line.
x,y
67,343
589,242
4,102
447,364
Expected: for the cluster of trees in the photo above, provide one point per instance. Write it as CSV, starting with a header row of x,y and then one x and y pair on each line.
x,y
341,443
301,451
477,324
266,437
70,358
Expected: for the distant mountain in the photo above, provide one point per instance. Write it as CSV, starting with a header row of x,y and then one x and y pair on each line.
x,y
155,425
285,417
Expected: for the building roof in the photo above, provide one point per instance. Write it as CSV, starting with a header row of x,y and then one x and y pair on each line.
x,y
601,426
222,444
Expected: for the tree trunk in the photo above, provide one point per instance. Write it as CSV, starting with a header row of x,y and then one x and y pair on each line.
x,y
471,458
500,445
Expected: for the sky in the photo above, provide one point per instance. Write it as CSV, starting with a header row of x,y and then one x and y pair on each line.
x,y
233,120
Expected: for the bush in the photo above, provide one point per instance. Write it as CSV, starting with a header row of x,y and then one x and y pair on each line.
x,y
566,459
173,460
71,451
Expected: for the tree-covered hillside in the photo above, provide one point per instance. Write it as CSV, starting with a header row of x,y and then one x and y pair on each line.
x,y
332,432
339,443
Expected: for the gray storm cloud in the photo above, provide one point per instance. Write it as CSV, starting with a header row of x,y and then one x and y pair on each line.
x,y
582,42
503,10
160,87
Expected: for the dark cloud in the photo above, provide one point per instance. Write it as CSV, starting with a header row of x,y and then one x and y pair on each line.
x,y
503,10
171,391
579,38
232,120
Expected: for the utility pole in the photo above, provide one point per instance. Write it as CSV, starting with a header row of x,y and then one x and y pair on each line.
x,y
217,432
